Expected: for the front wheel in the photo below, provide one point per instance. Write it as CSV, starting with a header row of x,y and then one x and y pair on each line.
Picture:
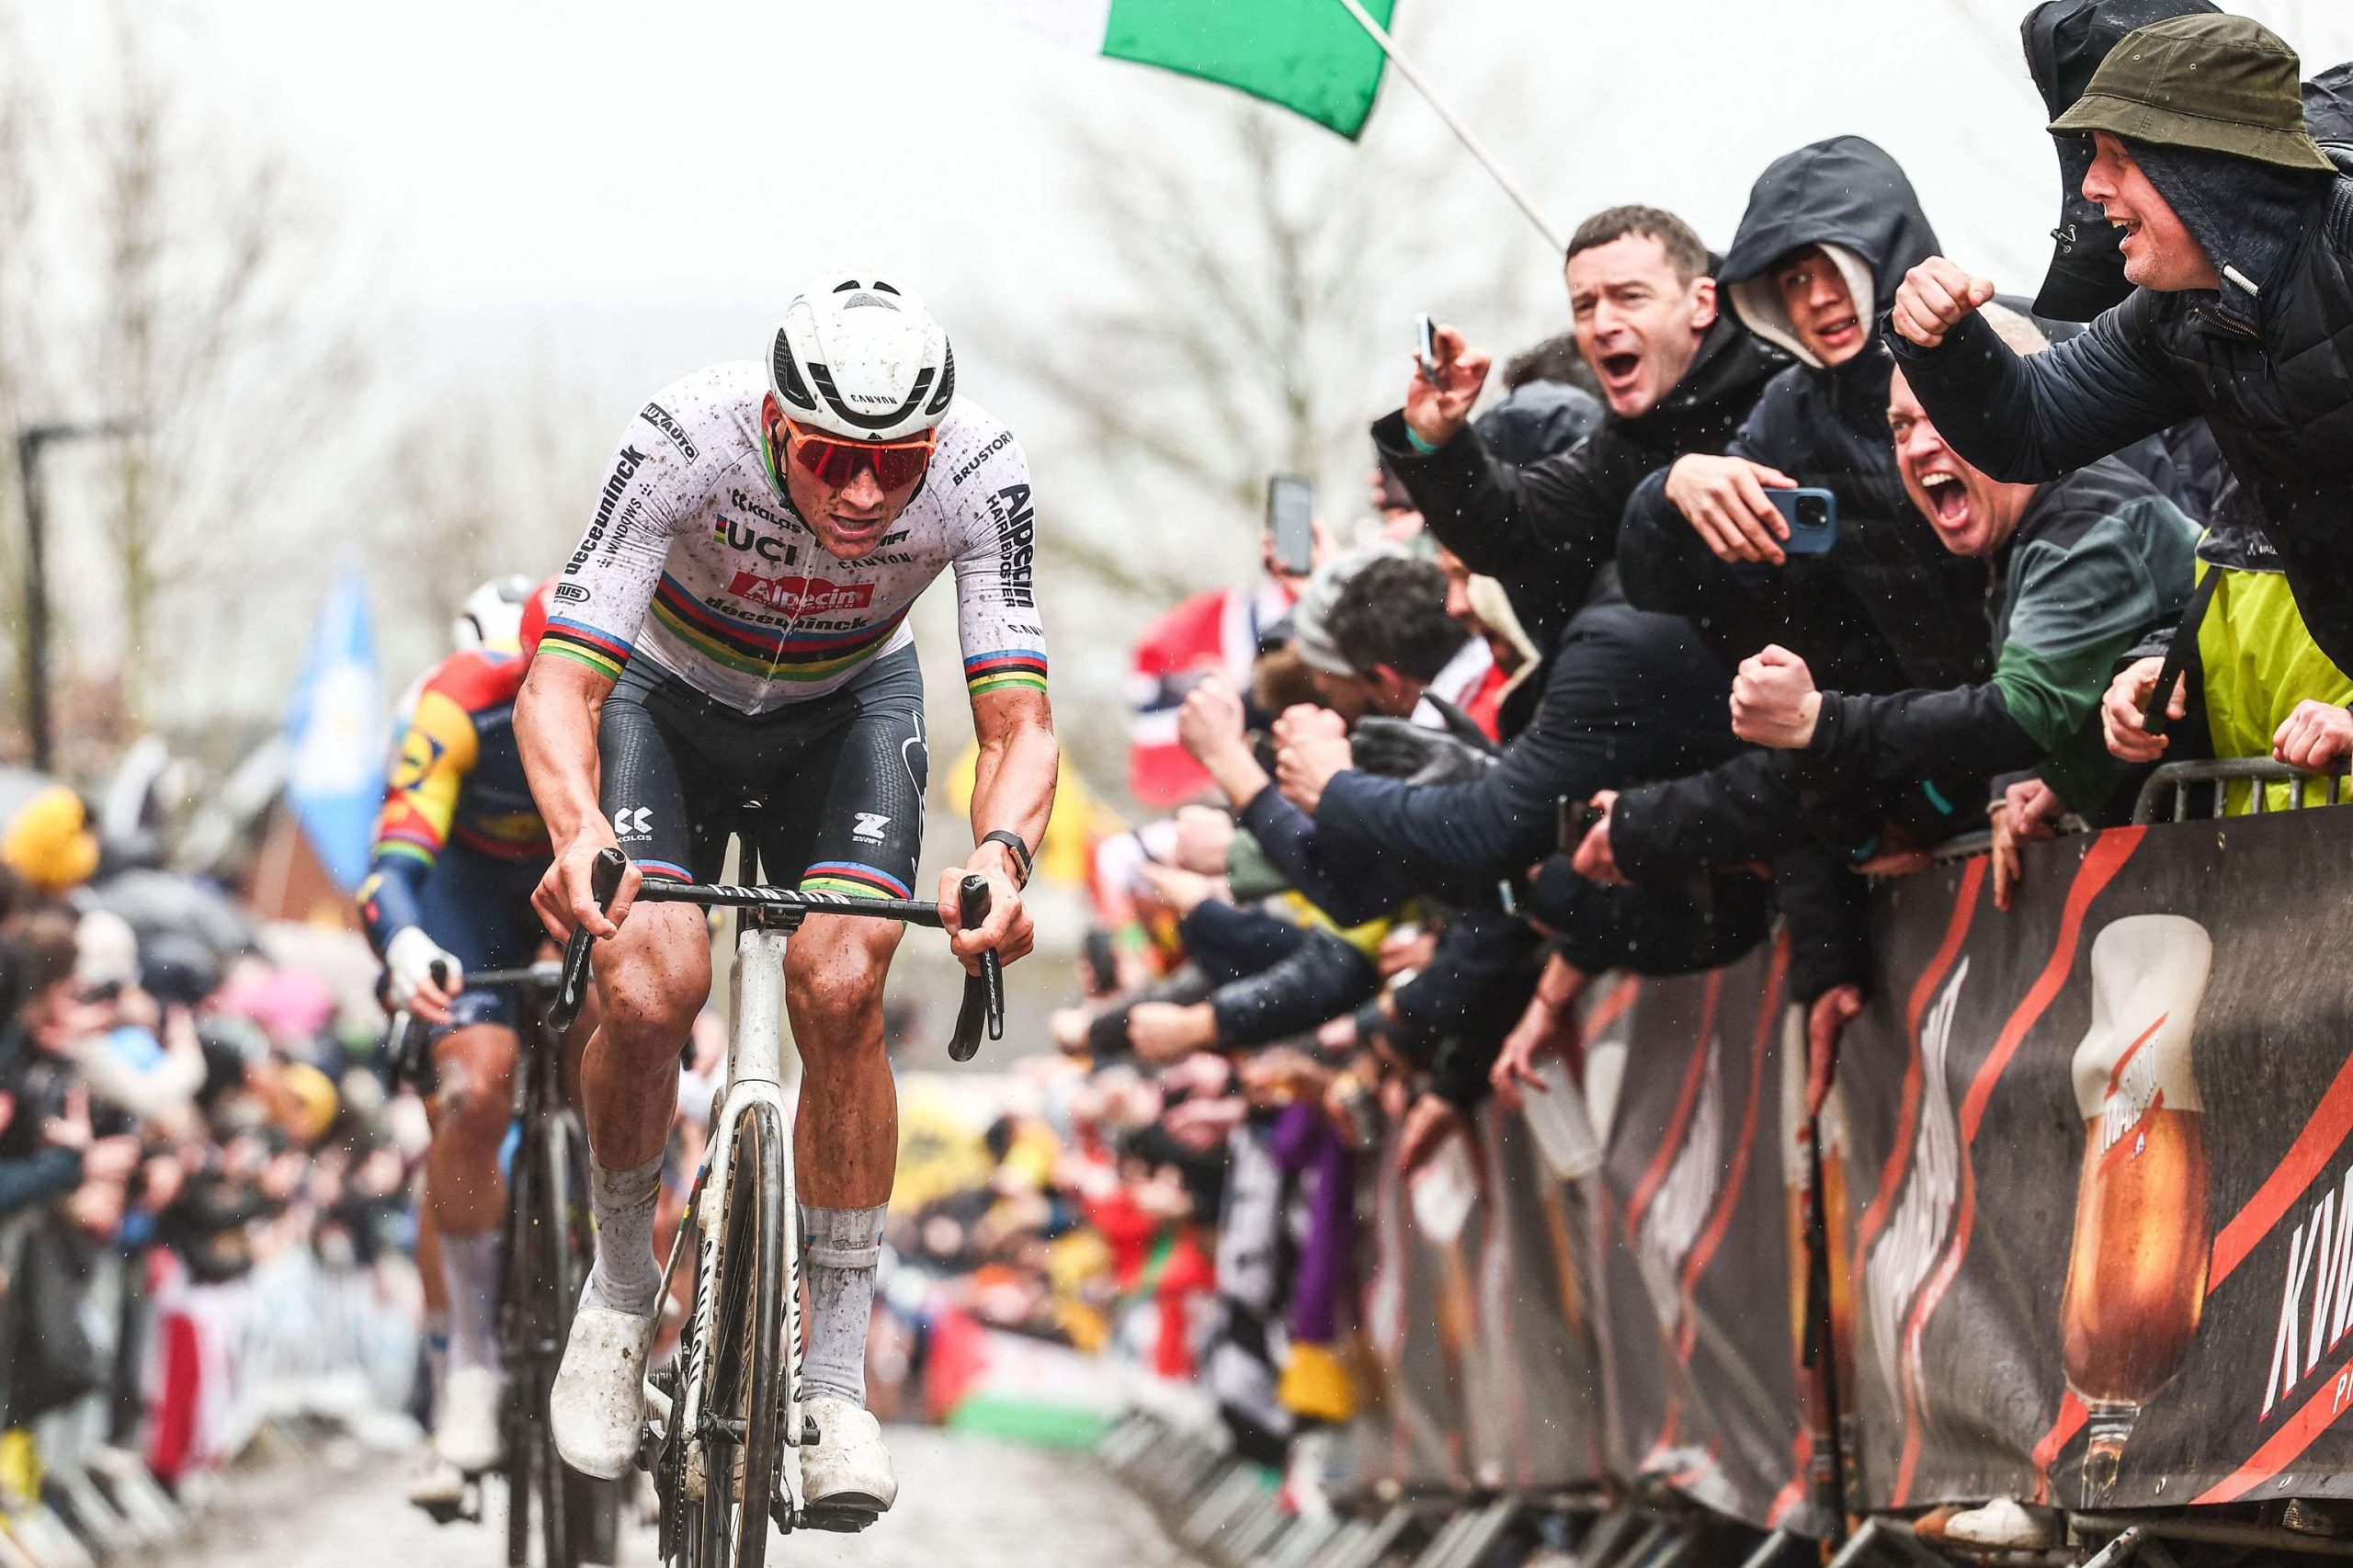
x,y
747,1382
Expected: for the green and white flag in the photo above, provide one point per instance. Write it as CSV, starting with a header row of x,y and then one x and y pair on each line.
x,y
1311,56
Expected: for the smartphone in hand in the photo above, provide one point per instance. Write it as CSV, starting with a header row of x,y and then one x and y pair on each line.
x,y
1426,346
1577,818
1812,516
1290,522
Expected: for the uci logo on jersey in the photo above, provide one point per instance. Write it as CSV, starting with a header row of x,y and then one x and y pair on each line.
x,y
744,537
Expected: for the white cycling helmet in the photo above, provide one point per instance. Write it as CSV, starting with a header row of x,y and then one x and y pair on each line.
x,y
862,360
493,616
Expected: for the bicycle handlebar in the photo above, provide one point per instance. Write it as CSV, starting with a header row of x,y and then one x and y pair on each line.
x,y
405,1034
983,992
603,882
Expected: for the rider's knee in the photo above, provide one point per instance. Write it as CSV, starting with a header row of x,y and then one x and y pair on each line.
x,y
836,984
651,988
476,1068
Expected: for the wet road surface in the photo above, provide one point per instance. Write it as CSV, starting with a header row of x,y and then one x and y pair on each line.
x,y
970,1502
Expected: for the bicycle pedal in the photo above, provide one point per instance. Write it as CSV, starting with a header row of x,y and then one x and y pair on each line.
x,y
844,1518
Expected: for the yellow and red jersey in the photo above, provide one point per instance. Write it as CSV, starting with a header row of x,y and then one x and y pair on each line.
x,y
457,778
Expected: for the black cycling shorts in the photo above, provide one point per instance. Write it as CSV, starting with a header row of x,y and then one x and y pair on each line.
x,y
829,791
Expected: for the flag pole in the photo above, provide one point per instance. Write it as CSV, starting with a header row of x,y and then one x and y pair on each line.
x,y
1471,144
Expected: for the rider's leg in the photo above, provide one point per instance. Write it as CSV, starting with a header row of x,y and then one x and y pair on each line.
x,y
434,1286
471,1111
846,1140
467,1196
651,979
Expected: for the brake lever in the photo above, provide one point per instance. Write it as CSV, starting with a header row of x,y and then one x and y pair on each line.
x,y
403,1048
984,992
571,991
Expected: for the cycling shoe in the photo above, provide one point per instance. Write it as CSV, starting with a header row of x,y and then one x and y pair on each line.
x,y
846,1472
597,1407
466,1430
438,1487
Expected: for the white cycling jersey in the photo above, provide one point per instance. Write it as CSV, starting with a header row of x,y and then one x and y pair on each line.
x,y
696,560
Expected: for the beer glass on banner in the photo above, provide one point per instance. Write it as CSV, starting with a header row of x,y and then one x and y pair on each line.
x,y
1822,1293
2136,1273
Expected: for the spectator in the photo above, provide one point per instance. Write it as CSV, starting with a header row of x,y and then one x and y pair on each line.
x,y
1678,376
45,836
2238,231
1557,361
1829,231
2088,564
2065,40
49,1106
1630,696
1384,641
2253,682
1502,704
1550,402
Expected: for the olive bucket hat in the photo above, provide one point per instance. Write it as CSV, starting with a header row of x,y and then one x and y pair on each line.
x,y
2225,84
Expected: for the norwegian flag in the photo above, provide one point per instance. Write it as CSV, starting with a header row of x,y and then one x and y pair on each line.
x,y
1215,631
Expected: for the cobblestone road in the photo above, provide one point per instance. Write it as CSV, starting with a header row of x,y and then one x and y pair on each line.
x,y
964,1501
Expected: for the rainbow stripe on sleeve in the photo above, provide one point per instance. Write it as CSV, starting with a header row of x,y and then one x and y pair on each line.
x,y
600,650
1006,670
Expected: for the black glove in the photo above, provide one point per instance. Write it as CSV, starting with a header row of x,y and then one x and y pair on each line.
x,y
1395,748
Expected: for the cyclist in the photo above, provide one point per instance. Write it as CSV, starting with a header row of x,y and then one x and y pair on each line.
x,y
458,848
732,651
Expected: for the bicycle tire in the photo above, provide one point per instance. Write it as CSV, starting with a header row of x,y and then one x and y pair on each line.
x,y
592,1508
519,1301
550,1256
564,1270
746,1380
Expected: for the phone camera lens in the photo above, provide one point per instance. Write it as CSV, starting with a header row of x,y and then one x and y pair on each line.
x,y
1812,511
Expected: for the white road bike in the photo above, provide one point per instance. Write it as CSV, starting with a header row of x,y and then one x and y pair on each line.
x,y
724,1418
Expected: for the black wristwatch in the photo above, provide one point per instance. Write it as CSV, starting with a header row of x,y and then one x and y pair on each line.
x,y
1022,858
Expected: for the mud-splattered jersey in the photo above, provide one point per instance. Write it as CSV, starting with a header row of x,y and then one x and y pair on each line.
x,y
695,559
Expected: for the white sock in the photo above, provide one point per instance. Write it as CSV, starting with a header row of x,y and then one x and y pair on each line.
x,y
839,1248
626,1278
469,1274
436,1351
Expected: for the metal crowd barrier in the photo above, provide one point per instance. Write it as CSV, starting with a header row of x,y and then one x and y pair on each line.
x,y
301,1343
2178,781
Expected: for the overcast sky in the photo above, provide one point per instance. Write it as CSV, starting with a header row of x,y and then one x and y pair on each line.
x,y
637,186
614,192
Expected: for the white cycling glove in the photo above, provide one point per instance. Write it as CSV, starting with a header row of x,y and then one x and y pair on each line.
x,y
409,959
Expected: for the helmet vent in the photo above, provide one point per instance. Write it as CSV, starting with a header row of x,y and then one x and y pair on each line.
x,y
938,405
854,301
788,383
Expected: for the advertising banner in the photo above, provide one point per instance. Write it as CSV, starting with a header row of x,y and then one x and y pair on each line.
x,y
1482,1368
1690,1225
2097,1214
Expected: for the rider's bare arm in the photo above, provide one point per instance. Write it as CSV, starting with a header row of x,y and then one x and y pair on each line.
x,y
555,724
1013,790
